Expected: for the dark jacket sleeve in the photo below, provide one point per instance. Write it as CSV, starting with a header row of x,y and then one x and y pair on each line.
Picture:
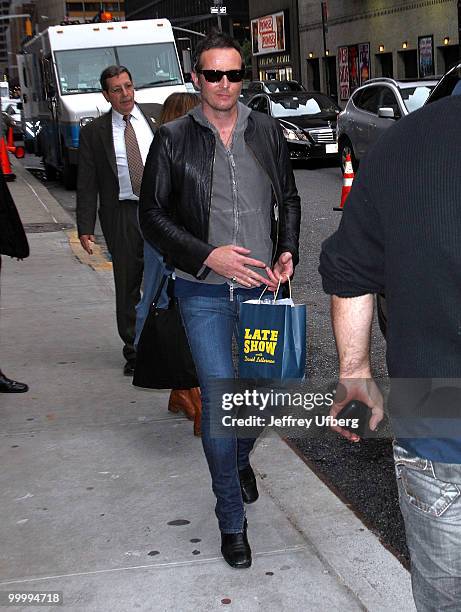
x,y
290,216
87,184
352,259
156,212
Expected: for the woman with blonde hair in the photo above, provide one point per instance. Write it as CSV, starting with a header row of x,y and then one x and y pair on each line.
x,y
186,400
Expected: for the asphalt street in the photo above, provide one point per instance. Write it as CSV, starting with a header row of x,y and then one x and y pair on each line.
x,y
361,474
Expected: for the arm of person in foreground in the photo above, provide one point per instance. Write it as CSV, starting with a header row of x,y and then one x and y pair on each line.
x,y
352,319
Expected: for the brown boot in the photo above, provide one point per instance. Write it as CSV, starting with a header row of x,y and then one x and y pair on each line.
x,y
195,392
188,401
181,401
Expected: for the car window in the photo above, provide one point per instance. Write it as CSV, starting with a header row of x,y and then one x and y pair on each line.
x,y
302,104
255,87
414,97
448,85
253,104
263,106
280,86
389,100
369,99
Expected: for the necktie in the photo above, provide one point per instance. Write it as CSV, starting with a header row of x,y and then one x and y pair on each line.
x,y
133,156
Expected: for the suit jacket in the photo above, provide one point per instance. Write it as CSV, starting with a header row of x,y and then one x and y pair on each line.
x,y
97,169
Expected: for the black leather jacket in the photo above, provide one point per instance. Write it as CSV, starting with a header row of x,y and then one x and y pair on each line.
x,y
175,200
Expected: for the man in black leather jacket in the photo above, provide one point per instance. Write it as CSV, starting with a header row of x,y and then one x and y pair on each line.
x,y
219,200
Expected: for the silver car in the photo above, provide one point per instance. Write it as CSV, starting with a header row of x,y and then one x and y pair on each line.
x,y
372,109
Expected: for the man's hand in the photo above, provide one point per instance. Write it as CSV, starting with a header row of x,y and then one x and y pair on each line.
x,y
231,262
352,318
87,241
283,268
364,390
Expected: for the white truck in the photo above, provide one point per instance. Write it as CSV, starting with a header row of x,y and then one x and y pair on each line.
x,y
59,75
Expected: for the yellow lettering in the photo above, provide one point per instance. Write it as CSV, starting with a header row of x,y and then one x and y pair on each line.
x,y
246,346
270,347
274,335
247,333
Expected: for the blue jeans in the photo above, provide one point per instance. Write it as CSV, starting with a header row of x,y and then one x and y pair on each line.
x,y
430,501
154,269
210,323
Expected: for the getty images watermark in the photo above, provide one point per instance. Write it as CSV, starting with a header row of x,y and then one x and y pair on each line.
x,y
263,409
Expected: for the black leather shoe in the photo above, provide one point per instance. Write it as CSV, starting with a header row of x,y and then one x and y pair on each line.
x,y
235,549
11,386
248,485
128,368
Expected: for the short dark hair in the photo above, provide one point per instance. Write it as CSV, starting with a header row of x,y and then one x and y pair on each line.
x,y
215,40
112,71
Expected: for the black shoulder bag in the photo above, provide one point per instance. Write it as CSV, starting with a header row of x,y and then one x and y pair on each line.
x,y
163,357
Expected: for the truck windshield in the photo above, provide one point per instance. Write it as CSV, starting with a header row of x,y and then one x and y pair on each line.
x,y
150,65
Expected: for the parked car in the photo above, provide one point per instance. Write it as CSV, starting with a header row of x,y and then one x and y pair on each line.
x,y
308,121
11,108
273,86
373,108
449,85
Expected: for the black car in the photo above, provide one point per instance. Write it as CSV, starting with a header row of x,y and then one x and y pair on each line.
x,y
274,86
308,121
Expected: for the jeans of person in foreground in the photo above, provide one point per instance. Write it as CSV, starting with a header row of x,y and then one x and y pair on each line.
x,y
210,323
430,501
154,269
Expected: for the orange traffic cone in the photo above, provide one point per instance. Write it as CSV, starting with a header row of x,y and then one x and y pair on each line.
x,y
18,152
5,161
10,138
348,179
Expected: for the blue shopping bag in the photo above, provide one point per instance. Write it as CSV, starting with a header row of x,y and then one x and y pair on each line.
x,y
272,339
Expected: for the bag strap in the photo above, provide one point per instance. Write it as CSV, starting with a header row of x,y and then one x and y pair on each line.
x,y
159,290
277,290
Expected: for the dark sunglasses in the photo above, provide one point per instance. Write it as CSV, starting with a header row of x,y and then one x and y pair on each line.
x,y
214,76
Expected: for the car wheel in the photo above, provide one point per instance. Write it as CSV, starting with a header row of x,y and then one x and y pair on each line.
x,y
345,149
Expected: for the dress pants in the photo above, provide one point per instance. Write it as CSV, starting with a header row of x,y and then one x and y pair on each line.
x,y
125,243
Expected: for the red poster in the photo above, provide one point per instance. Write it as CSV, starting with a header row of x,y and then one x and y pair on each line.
x,y
343,68
364,62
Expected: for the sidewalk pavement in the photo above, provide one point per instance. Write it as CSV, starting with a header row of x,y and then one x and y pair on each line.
x,y
105,495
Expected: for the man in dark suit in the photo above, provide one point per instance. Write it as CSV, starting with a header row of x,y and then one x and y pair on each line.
x,y
112,152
